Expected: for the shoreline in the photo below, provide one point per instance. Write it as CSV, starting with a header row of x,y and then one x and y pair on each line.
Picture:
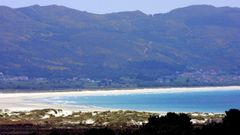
x,y
30,101
18,91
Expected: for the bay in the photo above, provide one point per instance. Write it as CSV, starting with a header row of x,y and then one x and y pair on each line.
x,y
212,101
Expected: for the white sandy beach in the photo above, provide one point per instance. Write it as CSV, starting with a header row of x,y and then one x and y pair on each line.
x,y
28,101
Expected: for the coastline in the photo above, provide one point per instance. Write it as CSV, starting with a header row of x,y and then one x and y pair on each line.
x,y
29,101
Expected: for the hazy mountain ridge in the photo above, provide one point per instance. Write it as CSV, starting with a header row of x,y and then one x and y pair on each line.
x,y
59,42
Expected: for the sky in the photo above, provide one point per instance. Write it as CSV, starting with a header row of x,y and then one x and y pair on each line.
x,y
109,6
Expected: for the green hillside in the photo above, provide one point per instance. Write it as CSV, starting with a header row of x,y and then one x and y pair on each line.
x,y
45,47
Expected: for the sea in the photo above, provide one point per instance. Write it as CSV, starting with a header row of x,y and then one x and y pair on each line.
x,y
207,101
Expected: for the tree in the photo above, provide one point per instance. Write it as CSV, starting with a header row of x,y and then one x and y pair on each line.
x,y
171,124
104,131
231,122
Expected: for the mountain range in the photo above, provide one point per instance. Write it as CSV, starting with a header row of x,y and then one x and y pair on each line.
x,y
56,43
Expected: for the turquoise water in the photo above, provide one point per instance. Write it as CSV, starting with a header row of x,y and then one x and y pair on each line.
x,y
169,102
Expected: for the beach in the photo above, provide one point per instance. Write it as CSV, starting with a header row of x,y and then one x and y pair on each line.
x,y
29,101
